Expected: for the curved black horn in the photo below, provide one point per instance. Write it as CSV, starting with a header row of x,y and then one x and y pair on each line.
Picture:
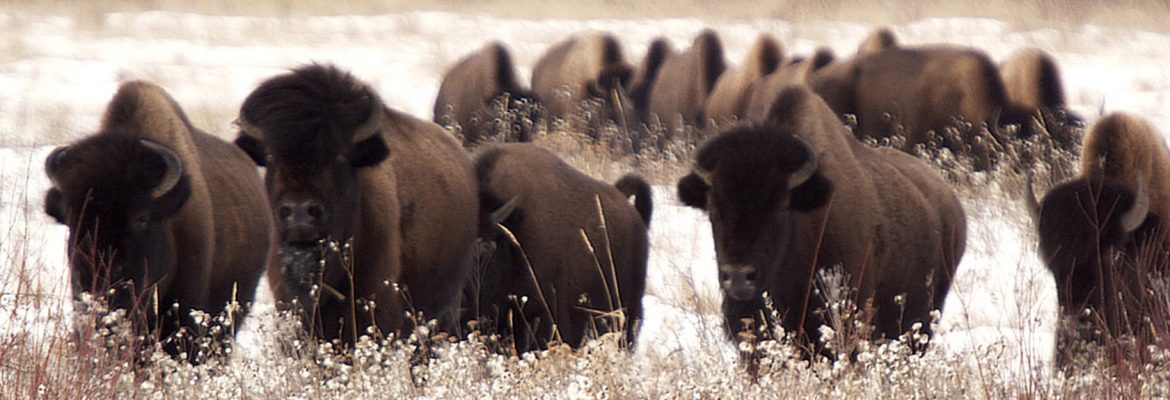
x,y
1133,218
53,164
374,123
174,168
806,171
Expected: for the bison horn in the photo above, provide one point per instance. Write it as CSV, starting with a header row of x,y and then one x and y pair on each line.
x,y
374,124
1133,218
53,164
174,168
806,171
503,212
248,129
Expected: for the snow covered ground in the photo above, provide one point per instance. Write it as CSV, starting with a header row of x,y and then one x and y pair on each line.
x,y
56,74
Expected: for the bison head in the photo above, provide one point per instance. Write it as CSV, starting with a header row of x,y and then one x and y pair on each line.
x,y
1090,228
315,129
115,193
753,182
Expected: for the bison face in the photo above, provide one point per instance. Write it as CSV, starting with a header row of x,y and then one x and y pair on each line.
x,y
116,195
1089,230
753,183
316,129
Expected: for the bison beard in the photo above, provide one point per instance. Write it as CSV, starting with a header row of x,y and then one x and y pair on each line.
x,y
301,265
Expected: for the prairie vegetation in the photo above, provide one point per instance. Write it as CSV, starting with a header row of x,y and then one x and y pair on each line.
x,y
996,333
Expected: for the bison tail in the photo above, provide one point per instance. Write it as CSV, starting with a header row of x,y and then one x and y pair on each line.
x,y
634,185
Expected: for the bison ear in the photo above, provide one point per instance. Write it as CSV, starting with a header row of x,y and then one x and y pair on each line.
x,y
814,193
55,206
369,152
172,201
253,148
692,191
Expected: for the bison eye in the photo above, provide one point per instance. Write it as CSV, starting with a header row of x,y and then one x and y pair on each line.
x,y
285,211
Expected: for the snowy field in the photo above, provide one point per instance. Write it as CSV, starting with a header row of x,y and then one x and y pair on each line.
x,y
57,73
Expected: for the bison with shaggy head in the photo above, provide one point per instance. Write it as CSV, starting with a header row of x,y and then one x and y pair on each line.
x,y
796,195
912,92
684,82
482,96
563,268
583,79
1101,236
728,99
1033,82
376,210
164,219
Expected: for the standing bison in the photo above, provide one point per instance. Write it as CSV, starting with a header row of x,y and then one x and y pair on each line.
x,y
1101,237
582,79
763,92
684,82
914,92
562,268
644,77
482,96
729,98
376,210
164,219
1032,80
796,195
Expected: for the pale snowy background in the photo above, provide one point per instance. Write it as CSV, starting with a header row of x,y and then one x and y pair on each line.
x,y
57,73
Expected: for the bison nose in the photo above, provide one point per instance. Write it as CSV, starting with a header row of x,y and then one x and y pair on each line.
x,y
739,281
302,220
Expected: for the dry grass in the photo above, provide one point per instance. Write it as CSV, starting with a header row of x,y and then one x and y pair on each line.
x,y
46,361
41,358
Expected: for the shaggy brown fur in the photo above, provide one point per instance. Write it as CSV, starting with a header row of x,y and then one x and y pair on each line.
x,y
915,91
482,96
880,39
643,80
553,204
1033,82
583,69
200,245
684,82
1100,234
815,198
763,92
729,98
410,215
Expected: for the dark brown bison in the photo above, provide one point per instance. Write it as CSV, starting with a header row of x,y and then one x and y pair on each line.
x,y
1101,236
163,218
763,92
1032,80
376,210
647,73
913,92
684,82
729,98
562,268
796,195
582,80
482,97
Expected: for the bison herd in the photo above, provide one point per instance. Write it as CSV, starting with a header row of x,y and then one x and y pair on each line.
x,y
369,221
